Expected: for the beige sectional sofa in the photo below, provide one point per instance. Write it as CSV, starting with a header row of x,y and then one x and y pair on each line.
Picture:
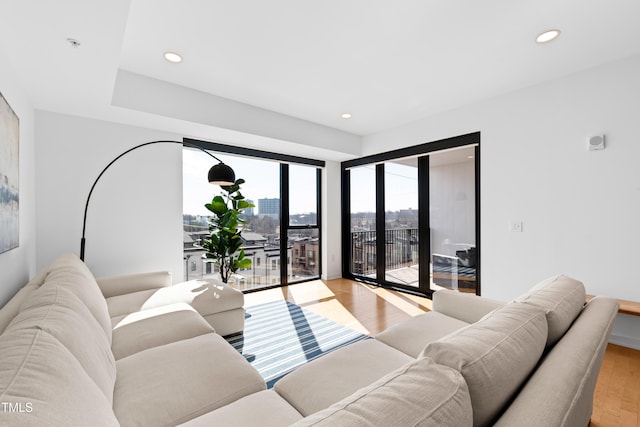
x,y
135,351
132,352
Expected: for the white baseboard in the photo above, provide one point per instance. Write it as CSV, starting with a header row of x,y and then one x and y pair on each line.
x,y
624,341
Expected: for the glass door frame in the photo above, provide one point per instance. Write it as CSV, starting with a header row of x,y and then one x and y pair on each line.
x,y
421,151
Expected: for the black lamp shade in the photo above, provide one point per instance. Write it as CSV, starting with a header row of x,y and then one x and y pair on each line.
x,y
221,174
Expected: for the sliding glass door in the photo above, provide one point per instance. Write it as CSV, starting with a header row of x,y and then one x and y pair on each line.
x,y
401,215
452,219
383,236
362,220
411,217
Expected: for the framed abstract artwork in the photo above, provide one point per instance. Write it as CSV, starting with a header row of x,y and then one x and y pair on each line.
x,y
9,177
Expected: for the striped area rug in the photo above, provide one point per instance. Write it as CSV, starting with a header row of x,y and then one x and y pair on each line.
x,y
279,336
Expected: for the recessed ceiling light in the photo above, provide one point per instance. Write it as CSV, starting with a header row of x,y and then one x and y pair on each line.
x,y
173,57
548,36
346,115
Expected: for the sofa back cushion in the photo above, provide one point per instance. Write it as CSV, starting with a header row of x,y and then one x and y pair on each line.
x,y
421,393
560,391
562,299
494,355
70,272
58,312
466,307
12,307
44,385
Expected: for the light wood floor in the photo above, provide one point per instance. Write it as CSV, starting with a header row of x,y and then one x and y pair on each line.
x,y
617,397
371,309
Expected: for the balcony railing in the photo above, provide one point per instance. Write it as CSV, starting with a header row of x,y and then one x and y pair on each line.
x,y
401,250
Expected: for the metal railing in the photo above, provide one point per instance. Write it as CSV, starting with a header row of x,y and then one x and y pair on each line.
x,y
401,250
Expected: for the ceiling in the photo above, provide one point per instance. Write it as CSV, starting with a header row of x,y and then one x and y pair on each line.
x,y
385,62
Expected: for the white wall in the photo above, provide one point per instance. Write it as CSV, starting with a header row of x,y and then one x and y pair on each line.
x,y
331,221
579,208
134,220
18,265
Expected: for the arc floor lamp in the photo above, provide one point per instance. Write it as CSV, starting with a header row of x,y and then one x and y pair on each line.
x,y
219,174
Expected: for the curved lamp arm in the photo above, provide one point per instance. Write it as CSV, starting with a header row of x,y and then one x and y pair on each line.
x,y
214,172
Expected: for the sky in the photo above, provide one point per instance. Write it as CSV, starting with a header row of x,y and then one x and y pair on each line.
x,y
262,181
401,188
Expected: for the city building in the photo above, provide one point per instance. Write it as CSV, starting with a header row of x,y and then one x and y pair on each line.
x,y
269,207
249,211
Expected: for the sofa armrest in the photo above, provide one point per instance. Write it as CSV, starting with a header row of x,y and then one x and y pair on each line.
x,y
466,307
560,391
120,285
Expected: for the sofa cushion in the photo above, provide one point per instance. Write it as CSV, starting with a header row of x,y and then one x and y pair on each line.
x,y
121,305
228,322
336,375
157,326
205,296
46,385
176,382
57,311
70,272
411,336
211,297
12,307
129,283
421,393
562,298
495,355
265,409
463,306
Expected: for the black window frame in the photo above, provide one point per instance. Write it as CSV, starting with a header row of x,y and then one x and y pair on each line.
x,y
421,151
284,161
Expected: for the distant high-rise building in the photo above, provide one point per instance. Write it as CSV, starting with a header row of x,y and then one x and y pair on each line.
x,y
270,207
249,211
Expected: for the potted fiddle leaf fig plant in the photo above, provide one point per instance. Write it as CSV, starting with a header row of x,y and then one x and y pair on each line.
x,y
224,244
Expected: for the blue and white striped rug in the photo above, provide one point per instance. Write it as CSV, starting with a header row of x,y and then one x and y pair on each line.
x,y
279,336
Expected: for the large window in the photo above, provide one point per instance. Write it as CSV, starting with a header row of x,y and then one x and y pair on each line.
x,y
410,217
282,237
